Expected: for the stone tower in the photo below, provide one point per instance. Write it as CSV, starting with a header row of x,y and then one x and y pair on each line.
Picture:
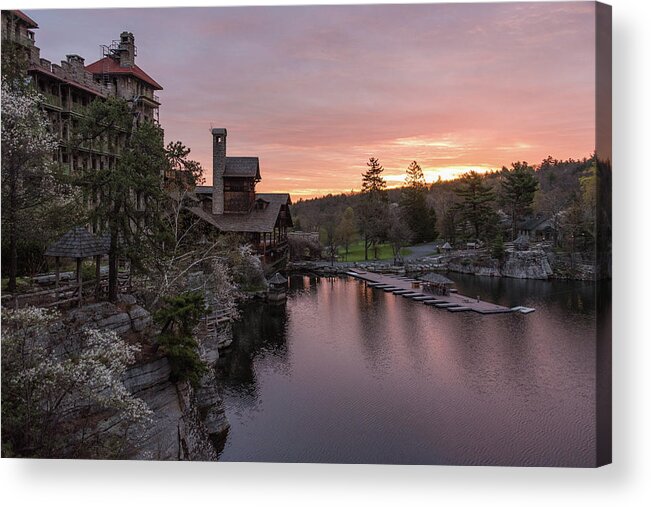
x,y
218,169
127,49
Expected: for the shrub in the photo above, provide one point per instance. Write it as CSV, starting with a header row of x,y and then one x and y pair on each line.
x,y
56,386
182,353
179,315
497,247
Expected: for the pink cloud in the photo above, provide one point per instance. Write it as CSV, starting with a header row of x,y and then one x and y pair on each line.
x,y
314,91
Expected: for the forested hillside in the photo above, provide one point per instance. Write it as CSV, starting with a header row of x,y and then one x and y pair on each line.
x,y
489,207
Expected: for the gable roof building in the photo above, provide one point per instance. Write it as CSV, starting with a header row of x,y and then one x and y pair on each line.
x,y
538,228
231,204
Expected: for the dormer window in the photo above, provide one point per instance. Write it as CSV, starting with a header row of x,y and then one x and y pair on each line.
x,y
261,204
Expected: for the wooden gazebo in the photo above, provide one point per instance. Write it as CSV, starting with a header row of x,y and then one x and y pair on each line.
x,y
436,284
277,288
278,280
78,244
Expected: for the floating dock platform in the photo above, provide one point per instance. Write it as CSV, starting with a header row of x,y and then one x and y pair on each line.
x,y
453,302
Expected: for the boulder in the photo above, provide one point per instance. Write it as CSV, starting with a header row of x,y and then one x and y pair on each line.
x,y
140,318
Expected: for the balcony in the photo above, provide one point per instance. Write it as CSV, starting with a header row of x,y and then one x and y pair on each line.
x,y
51,100
23,40
146,99
76,107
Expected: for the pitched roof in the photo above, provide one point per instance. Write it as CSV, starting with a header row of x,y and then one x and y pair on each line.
x,y
436,278
242,167
447,246
257,220
277,279
77,243
532,223
112,66
30,22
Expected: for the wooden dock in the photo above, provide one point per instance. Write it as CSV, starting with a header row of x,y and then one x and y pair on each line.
x,y
453,302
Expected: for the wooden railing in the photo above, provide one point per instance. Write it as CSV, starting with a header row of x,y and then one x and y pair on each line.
x,y
51,99
268,246
65,294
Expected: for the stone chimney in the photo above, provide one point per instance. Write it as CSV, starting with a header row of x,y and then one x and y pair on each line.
x,y
75,67
75,61
127,49
218,168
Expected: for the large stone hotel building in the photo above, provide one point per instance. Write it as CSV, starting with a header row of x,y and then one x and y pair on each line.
x,y
67,89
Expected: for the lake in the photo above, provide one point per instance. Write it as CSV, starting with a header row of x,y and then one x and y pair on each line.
x,y
343,373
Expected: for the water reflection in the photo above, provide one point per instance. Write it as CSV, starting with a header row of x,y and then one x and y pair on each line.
x,y
260,331
344,373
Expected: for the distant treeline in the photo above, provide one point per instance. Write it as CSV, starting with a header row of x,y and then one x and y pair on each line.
x,y
487,207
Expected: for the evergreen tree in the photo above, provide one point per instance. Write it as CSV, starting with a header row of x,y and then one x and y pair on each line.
x,y
373,181
373,206
415,177
126,198
475,207
420,218
178,317
497,247
183,173
519,186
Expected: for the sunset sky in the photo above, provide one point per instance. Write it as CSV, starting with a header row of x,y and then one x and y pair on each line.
x,y
315,91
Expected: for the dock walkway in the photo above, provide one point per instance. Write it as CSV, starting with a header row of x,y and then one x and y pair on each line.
x,y
453,302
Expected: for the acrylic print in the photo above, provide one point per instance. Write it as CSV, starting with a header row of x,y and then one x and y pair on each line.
x,y
318,234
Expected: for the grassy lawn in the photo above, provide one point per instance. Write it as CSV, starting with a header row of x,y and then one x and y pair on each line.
x,y
356,252
22,284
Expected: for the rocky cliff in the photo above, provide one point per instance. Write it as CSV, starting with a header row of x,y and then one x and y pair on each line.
x,y
185,420
516,264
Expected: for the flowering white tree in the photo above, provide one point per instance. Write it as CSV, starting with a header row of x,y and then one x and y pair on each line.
x,y
28,171
59,383
196,258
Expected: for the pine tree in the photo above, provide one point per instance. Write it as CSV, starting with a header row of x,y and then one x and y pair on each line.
x,y
415,177
372,180
475,207
178,317
373,207
519,186
421,219
126,197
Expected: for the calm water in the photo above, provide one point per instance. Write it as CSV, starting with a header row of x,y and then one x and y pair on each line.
x,y
347,374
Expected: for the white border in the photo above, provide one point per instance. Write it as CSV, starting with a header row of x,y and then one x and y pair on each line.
x,y
627,482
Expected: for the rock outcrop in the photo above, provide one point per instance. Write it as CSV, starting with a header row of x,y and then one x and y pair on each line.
x,y
527,264
185,419
539,262
177,431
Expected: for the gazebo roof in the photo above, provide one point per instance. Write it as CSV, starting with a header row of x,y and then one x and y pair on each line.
x,y
277,279
447,246
436,278
77,243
